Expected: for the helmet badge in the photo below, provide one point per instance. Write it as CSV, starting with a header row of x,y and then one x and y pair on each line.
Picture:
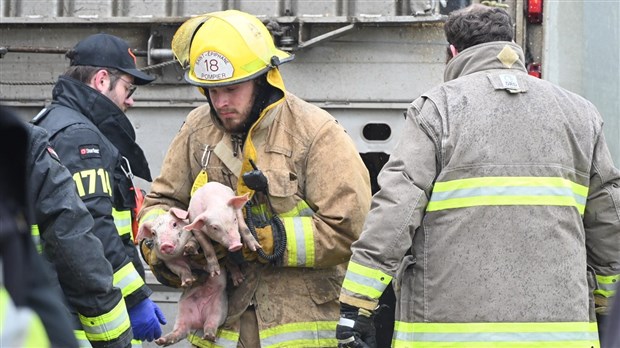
x,y
213,66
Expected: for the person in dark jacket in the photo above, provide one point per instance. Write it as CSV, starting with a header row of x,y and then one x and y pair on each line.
x,y
63,229
31,309
95,140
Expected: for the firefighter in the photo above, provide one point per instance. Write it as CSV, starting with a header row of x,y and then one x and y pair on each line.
x,y
95,140
31,309
498,211
63,230
309,188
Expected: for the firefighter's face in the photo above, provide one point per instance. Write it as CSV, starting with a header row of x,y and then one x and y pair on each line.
x,y
233,104
117,87
121,90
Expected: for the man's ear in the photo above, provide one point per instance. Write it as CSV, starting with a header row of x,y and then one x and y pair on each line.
x,y
100,81
454,51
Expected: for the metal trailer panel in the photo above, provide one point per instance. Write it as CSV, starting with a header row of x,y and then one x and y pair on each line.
x,y
581,53
164,8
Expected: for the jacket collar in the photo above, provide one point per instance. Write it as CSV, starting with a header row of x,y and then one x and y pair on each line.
x,y
106,116
486,56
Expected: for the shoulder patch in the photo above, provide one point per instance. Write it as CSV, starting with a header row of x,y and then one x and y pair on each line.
x,y
89,151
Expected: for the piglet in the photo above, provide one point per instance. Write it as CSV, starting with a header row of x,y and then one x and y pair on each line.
x,y
202,306
216,213
172,243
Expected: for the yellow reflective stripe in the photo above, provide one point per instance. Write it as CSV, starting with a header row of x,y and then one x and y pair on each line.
x,y
108,326
36,238
225,339
471,192
22,325
80,336
365,281
127,279
152,215
301,209
136,344
299,241
122,220
607,285
501,335
304,334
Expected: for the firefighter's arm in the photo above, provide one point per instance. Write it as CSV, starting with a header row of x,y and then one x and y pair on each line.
x,y
602,225
65,228
80,151
320,229
397,210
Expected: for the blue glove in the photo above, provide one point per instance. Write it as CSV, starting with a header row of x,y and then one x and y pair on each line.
x,y
145,318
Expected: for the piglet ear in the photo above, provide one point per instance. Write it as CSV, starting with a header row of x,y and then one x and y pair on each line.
x,y
179,213
238,202
145,231
198,223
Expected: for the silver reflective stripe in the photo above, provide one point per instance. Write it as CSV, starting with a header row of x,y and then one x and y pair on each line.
x,y
346,322
278,340
83,342
607,287
300,241
367,281
105,327
496,336
126,280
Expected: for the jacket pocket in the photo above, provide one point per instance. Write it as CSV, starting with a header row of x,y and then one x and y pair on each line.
x,y
405,270
282,189
323,289
282,183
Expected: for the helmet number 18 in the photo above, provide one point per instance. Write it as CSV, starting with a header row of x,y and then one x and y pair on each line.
x,y
213,66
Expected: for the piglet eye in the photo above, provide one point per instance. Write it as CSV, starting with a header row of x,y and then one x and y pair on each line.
x,y
174,224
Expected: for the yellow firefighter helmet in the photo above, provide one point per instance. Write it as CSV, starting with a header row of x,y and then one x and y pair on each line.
x,y
224,48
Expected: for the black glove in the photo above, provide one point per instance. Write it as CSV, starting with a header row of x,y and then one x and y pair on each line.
x,y
356,328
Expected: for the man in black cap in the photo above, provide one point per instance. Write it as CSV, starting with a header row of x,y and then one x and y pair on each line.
x,y
97,143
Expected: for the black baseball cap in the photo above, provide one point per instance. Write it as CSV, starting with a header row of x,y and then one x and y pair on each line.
x,y
108,51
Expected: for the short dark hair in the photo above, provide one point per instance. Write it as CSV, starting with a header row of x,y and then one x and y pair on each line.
x,y
478,24
85,73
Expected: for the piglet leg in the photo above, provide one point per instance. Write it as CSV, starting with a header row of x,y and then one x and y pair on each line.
x,y
246,235
213,266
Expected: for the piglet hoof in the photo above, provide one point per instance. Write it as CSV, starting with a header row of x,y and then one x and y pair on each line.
x,y
254,245
212,267
209,336
190,249
213,270
237,279
166,340
187,282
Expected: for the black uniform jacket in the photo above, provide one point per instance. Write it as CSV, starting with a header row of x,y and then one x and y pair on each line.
x,y
91,135
65,229
23,273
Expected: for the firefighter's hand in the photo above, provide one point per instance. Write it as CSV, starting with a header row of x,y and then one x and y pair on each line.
x,y
265,239
356,328
145,319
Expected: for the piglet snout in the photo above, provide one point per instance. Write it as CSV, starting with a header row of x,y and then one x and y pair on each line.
x,y
167,248
235,247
